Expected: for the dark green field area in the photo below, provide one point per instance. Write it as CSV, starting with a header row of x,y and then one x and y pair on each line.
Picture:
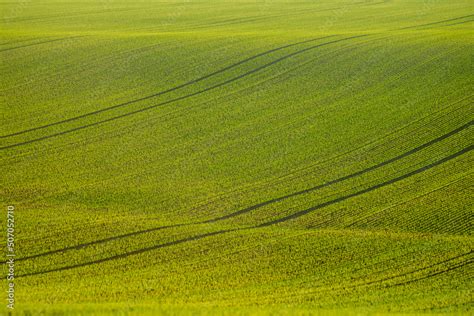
x,y
238,157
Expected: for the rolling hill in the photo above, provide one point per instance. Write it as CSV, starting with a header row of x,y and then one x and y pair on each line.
x,y
238,157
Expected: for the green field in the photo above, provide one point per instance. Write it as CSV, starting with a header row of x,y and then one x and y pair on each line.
x,y
238,157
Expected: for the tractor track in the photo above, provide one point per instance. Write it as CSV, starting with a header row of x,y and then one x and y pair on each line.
x,y
270,223
259,205
178,87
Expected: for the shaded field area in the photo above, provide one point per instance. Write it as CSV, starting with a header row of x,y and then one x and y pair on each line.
x,y
238,158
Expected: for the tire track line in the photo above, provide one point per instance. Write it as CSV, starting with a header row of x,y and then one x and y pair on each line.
x,y
293,216
335,217
95,242
135,252
40,43
256,206
248,73
352,175
370,189
381,281
374,216
463,22
435,23
133,127
191,82
247,19
457,265
25,40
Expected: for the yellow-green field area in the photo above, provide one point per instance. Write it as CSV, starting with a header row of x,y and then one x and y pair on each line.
x,y
238,157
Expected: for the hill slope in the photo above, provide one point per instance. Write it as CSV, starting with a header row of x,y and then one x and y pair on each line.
x,y
239,157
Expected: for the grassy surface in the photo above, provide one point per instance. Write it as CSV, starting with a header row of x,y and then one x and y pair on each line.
x,y
232,157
